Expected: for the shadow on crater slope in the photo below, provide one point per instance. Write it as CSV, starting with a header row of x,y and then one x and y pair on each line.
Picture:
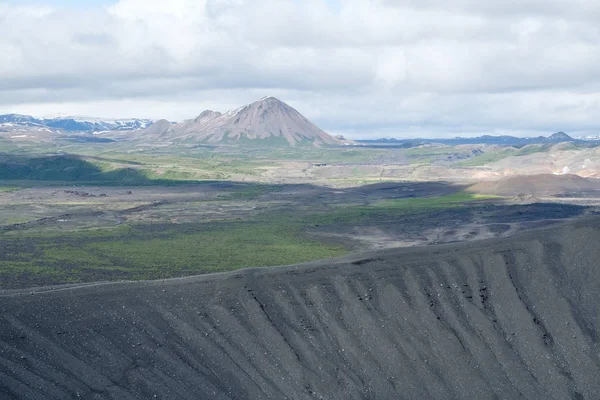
x,y
501,319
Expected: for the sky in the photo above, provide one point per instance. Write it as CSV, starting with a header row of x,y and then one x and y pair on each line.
x,y
361,68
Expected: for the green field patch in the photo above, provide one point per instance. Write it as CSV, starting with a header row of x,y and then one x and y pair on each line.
x,y
16,219
166,250
425,151
450,200
388,210
217,247
249,193
533,148
57,236
486,158
140,170
154,251
494,156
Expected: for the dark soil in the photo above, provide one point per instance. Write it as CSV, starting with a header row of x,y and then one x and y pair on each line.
x,y
514,318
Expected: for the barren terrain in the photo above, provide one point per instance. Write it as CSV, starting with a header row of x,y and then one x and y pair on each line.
x,y
515,318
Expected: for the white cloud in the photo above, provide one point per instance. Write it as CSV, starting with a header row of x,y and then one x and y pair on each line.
x,y
371,67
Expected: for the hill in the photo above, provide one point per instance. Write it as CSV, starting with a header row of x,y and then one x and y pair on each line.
x,y
516,318
559,137
267,120
538,185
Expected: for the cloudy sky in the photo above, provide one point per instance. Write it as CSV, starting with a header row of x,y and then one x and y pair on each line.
x,y
363,68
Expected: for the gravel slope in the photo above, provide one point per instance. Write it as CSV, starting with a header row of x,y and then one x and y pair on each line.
x,y
267,118
516,318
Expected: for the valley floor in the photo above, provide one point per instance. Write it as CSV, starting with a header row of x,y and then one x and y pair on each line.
x,y
73,213
66,234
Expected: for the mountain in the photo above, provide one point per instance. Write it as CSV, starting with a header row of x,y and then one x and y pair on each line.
x,y
73,124
266,120
158,128
560,137
485,139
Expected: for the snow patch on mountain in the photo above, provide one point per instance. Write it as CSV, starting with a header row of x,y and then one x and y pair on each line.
x,y
74,123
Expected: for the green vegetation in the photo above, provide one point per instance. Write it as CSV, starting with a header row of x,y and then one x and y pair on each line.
x,y
574,146
138,170
494,156
250,193
226,227
430,150
117,164
154,252
316,154
389,210
533,148
487,158
451,200
430,153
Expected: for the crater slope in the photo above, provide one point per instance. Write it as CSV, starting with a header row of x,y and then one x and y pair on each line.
x,y
514,318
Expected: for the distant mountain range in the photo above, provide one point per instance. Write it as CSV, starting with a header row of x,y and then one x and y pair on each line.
x,y
73,124
266,121
557,137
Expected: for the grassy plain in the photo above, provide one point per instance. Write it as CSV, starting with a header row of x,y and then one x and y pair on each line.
x,y
83,212
153,251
